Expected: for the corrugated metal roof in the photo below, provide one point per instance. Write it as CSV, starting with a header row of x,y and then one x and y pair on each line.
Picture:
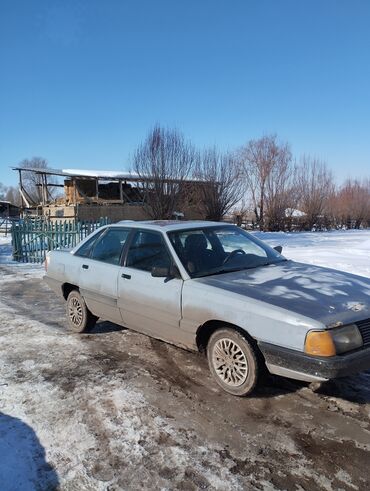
x,y
83,174
96,174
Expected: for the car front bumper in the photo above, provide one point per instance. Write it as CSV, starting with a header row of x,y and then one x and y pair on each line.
x,y
298,365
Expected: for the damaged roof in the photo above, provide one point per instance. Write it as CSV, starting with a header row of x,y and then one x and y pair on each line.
x,y
102,175
83,174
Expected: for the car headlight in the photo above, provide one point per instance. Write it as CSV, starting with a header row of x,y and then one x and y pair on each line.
x,y
347,338
334,341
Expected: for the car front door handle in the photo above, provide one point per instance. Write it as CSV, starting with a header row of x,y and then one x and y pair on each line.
x,y
126,276
85,266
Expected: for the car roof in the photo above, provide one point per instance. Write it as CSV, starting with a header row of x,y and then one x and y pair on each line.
x,y
169,225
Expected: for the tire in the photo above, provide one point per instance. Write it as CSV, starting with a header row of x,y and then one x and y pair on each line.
x,y
233,362
79,317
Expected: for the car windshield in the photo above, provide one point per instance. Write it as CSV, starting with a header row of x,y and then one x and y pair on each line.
x,y
214,250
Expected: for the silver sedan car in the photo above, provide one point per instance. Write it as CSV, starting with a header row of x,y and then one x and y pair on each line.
x,y
214,288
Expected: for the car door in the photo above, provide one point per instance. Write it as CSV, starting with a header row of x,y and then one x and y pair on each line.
x,y
149,304
99,274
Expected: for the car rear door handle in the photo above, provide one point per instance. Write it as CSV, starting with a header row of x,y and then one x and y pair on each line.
x,y
126,276
85,266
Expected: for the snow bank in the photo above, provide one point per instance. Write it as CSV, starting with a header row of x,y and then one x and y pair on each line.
x,y
347,250
16,271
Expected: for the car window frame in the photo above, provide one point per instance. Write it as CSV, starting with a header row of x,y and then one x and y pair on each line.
x,y
95,235
106,231
130,240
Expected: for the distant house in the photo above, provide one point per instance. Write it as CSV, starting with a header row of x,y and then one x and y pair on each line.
x,y
8,210
294,213
90,195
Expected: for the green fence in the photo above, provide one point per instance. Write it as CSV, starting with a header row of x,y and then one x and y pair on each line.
x,y
32,239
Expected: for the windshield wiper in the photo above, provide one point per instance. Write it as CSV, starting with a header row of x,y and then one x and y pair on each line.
x,y
267,264
231,270
219,271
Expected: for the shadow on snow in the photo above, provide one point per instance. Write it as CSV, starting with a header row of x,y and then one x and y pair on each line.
x,y
22,458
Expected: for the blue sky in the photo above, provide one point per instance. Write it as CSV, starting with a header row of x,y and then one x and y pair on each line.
x,y
81,82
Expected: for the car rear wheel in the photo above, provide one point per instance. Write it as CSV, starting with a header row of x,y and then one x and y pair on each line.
x,y
79,317
233,362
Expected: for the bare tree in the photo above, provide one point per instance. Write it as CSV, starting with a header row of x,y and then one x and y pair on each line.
x,y
265,164
331,215
220,188
280,195
240,213
163,162
12,195
352,203
3,190
32,181
314,182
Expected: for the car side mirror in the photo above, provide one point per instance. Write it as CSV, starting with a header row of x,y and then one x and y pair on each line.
x,y
279,249
174,272
160,271
165,272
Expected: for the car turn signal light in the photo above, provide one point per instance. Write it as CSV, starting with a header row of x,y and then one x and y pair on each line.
x,y
320,343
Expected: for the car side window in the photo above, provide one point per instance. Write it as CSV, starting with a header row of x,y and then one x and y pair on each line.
x,y
147,250
109,246
85,249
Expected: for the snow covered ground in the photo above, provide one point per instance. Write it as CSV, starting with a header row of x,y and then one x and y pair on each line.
x,y
347,250
19,271
116,410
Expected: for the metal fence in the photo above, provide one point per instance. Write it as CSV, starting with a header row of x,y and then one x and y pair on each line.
x,y
32,239
6,224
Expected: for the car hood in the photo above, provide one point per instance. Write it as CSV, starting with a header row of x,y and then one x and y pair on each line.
x,y
323,294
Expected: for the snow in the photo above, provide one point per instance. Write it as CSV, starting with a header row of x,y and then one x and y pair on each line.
x,y
18,271
292,212
101,173
5,240
347,250
21,453
104,174
5,249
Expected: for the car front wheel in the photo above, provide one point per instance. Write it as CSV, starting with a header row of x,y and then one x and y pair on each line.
x,y
232,361
79,317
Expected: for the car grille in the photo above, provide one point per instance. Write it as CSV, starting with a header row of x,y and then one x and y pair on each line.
x,y
364,327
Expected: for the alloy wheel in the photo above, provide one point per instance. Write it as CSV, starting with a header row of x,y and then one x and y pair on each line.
x,y
230,362
75,311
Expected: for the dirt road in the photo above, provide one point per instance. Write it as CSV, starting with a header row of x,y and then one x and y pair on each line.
x,y
116,410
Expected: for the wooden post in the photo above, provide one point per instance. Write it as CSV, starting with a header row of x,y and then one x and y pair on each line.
x,y
42,190
120,191
20,187
46,188
97,189
47,194
74,191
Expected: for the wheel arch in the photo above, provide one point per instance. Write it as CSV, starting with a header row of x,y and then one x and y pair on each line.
x,y
205,331
67,288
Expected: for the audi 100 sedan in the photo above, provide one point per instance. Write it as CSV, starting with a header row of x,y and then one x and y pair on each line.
x,y
214,288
